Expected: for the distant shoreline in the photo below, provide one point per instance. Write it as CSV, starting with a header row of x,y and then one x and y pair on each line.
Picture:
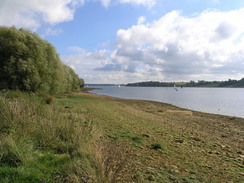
x,y
164,86
187,86
201,83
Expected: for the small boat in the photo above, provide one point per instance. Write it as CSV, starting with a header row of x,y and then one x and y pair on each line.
x,y
175,88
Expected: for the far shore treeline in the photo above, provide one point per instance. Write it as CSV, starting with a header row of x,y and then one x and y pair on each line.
x,y
29,63
201,83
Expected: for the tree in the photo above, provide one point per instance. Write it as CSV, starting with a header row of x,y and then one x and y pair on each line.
x,y
29,63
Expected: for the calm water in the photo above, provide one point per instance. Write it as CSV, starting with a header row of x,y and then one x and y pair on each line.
x,y
226,101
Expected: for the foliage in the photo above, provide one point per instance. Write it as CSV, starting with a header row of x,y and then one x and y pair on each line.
x,y
82,84
230,82
200,83
31,64
152,84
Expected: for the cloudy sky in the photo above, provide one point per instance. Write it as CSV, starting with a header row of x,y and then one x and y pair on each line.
x,y
122,41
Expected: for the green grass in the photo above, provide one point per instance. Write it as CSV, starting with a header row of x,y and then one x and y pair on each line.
x,y
43,168
39,141
118,134
91,138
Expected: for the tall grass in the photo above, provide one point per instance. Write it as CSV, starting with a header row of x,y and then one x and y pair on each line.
x,y
45,143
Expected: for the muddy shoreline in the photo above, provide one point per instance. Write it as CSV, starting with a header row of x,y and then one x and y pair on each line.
x,y
209,144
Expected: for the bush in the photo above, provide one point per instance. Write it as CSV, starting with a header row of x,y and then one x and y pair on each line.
x,y
156,146
49,99
31,64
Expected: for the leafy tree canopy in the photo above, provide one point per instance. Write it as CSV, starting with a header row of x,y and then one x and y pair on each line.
x,y
31,64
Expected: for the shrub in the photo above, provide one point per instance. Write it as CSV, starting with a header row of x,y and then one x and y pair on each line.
x,y
156,146
49,99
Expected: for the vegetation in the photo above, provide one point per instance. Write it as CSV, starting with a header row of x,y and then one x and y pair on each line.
x,y
200,83
31,64
152,84
45,143
156,146
84,137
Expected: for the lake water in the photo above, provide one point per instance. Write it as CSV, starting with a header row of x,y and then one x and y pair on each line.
x,y
225,101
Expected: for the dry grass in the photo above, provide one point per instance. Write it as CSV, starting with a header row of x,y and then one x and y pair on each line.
x,y
49,142
180,112
85,137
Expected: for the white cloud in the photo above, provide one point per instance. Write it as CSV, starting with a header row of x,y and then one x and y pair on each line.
x,y
32,13
141,20
105,66
182,47
147,3
84,62
106,3
35,13
208,46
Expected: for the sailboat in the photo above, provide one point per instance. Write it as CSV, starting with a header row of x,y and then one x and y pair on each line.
x,y
175,88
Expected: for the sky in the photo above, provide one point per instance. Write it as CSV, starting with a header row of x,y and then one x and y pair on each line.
x,y
126,41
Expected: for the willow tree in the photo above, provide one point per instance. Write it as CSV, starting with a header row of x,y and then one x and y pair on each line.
x,y
29,63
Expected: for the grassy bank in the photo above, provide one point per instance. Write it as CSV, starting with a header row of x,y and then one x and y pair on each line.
x,y
85,137
42,142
